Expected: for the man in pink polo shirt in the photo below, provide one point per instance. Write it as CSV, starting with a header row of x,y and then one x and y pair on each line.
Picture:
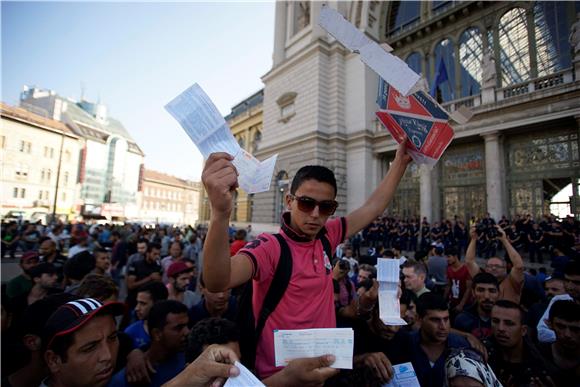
x,y
309,298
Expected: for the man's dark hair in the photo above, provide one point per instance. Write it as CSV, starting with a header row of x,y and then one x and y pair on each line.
x,y
567,310
507,304
178,242
40,269
371,269
430,301
159,312
97,286
152,246
116,234
156,290
240,235
142,240
388,253
210,331
313,172
417,267
572,268
452,251
407,297
484,278
100,250
79,266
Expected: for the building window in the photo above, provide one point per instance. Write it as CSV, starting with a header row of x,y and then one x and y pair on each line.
x,y
15,192
286,104
3,142
65,178
67,155
470,58
551,34
64,196
22,193
414,62
515,50
443,80
22,171
25,146
48,152
402,14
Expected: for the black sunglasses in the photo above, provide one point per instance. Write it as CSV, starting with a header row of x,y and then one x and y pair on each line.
x,y
307,204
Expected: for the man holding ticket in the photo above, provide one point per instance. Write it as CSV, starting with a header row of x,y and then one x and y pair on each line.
x,y
308,301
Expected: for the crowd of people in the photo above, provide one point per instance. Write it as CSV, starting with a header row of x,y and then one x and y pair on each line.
x,y
103,305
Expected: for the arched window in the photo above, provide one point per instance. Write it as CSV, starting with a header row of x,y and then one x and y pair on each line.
x,y
444,50
514,47
470,57
552,30
402,13
414,62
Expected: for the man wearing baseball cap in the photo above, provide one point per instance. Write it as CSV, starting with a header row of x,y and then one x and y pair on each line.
x,y
80,343
179,275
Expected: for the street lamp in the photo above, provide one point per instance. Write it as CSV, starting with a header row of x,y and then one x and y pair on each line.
x,y
53,217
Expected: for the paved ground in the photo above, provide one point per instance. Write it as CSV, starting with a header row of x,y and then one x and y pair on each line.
x,y
9,269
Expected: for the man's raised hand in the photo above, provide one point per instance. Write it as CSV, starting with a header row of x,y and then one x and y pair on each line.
x,y
220,179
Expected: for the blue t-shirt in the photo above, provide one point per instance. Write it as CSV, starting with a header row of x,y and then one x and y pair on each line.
x,y
137,333
164,372
431,375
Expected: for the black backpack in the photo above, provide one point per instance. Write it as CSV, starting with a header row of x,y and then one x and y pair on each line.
x,y
249,329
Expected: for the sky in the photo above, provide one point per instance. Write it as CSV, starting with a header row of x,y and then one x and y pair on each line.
x,y
135,57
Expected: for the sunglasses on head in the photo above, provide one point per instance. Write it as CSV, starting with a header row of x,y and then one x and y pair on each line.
x,y
307,204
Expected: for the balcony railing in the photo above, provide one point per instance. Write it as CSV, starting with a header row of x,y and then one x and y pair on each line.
x,y
542,83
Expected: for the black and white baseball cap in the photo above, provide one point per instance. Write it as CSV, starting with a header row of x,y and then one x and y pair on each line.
x,y
71,316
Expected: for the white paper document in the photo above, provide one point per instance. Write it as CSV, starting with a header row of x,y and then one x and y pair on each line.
x,y
404,376
392,69
244,379
204,124
388,277
297,343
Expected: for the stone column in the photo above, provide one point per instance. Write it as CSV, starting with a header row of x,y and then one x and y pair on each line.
x,y
426,193
279,53
493,175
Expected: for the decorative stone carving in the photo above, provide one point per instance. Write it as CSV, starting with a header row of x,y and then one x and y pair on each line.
x,y
303,18
488,74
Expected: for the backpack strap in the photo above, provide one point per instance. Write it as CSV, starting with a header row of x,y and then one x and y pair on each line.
x,y
326,246
278,286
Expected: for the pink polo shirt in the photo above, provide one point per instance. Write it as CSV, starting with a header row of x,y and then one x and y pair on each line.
x,y
309,299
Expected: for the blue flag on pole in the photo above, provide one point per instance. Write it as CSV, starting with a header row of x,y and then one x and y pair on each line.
x,y
440,77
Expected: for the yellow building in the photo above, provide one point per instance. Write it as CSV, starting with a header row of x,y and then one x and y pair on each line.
x,y
245,121
168,199
40,163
